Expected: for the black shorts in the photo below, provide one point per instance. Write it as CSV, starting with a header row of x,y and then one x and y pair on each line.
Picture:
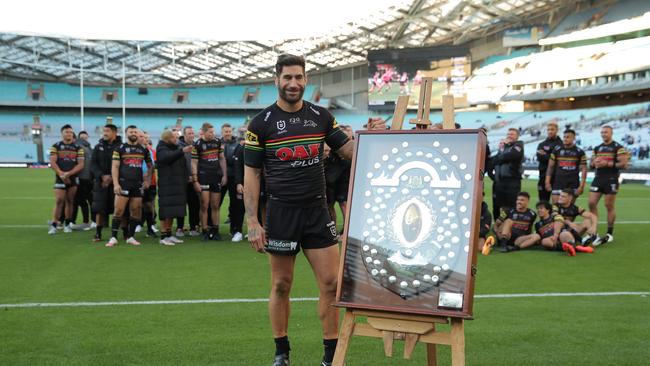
x,y
210,187
337,192
132,191
290,228
103,199
560,184
149,194
484,230
576,235
58,183
604,185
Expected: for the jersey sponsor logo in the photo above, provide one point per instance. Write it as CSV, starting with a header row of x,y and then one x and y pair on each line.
x,y
300,152
309,123
266,118
252,139
294,120
314,110
282,245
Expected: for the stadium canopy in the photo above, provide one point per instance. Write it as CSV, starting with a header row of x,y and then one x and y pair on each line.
x,y
199,42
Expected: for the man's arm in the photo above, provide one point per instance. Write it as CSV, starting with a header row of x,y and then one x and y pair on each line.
x,y
514,154
583,177
224,168
346,151
115,173
549,172
256,235
77,168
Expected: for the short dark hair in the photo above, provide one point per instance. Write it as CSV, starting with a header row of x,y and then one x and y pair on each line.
x,y
608,126
187,128
131,127
569,191
206,126
523,194
111,127
568,130
82,133
225,125
65,127
544,204
286,59
514,129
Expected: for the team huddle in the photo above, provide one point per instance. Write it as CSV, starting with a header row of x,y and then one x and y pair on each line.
x,y
286,176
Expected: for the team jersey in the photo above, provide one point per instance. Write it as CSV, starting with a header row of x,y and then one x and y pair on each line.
x,y
207,155
544,227
569,213
609,152
522,222
131,158
67,155
544,150
568,161
290,147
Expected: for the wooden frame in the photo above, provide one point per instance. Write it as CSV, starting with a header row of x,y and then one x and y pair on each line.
x,y
374,291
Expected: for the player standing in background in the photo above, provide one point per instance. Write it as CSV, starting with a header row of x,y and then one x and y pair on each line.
x,y
608,159
544,150
567,167
129,182
67,160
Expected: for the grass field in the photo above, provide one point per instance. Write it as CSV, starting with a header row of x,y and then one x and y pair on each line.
x,y
68,268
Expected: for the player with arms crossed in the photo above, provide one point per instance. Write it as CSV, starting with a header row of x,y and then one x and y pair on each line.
x,y
287,140
66,159
514,227
608,158
129,183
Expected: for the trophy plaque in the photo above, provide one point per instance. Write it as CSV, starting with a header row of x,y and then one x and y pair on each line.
x,y
409,243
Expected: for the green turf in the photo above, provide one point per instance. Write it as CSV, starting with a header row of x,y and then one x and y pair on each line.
x,y
35,267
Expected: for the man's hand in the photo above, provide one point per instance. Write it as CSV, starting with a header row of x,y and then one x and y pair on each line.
x,y
106,181
240,188
256,235
580,190
117,190
188,149
548,187
197,187
224,181
376,123
145,184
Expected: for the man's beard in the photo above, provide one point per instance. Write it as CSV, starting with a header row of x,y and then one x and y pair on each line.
x,y
283,95
133,139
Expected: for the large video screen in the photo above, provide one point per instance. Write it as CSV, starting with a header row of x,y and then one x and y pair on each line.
x,y
395,72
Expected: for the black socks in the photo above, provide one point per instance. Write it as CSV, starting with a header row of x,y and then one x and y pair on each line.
x,y
330,347
282,345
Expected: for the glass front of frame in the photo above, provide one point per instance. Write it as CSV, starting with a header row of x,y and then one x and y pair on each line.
x,y
412,222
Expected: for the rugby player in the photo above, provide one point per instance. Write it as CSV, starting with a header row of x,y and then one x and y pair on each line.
x,y
567,167
129,183
67,160
286,139
570,212
549,229
514,226
608,159
544,150
209,173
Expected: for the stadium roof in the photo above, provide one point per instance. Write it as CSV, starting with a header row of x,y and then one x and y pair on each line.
x,y
41,55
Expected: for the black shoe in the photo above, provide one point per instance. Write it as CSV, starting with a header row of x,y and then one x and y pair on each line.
x,y
282,360
151,234
205,236
508,248
216,237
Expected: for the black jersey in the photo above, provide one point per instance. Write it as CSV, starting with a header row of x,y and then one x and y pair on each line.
x,y
131,158
544,150
207,154
290,147
568,161
569,213
67,155
609,152
522,222
544,227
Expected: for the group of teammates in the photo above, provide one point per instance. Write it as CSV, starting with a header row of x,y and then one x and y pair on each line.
x,y
125,185
563,177
284,149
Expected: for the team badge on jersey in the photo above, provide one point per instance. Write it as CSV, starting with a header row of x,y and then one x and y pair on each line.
x,y
281,125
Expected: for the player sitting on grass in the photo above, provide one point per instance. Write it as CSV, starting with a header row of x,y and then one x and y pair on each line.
x,y
515,225
570,211
549,228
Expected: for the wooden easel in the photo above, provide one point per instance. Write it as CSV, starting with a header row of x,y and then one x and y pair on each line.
x,y
391,326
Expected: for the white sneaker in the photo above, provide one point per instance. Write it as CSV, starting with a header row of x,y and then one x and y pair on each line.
x,y
166,241
153,229
237,237
67,228
52,230
132,241
174,240
138,228
93,225
112,242
607,238
194,233
180,233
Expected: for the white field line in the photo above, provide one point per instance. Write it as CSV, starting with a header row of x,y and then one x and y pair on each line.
x,y
300,299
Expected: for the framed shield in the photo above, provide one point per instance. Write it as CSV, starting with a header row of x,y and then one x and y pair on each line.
x,y
409,244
